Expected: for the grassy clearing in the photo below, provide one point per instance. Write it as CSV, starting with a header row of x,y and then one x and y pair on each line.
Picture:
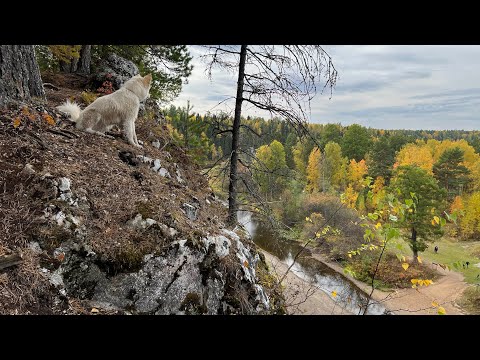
x,y
449,252
471,300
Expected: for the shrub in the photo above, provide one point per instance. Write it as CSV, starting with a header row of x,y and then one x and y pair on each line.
x,y
88,97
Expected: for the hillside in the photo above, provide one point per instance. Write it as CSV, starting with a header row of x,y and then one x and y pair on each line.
x,y
98,226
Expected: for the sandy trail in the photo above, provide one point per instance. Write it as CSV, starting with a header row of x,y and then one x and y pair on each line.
x,y
304,299
301,297
445,291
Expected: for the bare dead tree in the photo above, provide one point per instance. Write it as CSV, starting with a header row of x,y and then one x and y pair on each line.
x,y
280,79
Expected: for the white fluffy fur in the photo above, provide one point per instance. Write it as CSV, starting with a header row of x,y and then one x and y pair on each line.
x,y
70,108
118,108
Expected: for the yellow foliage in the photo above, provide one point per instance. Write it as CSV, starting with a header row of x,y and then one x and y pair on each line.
x,y
405,266
418,154
356,172
65,53
88,97
313,170
350,196
470,221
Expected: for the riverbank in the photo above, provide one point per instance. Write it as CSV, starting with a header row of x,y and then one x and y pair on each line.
x,y
446,291
302,297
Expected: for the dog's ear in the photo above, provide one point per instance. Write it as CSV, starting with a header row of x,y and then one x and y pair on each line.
x,y
147,79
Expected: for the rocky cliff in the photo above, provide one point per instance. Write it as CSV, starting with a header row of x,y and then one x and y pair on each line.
x,y
101,227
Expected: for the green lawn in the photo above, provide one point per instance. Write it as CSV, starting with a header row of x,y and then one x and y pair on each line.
x,y
448,253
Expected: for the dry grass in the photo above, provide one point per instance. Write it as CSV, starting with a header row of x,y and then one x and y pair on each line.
x,y
114,192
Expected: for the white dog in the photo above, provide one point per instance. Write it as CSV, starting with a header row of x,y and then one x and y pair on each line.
x,y
118,108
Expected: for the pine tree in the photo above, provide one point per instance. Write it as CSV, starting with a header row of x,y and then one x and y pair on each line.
x,y
413,183
450,171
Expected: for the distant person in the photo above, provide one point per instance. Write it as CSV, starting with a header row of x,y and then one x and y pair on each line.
x,y
467,263
436,249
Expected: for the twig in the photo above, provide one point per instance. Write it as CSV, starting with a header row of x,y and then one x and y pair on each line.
x,y
57,132
10,260
38,139
50,85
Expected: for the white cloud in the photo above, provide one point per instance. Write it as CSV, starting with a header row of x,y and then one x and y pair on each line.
x,y
413,87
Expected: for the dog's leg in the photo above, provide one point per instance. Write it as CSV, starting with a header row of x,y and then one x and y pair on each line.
x,y
129,128
135,134
91,131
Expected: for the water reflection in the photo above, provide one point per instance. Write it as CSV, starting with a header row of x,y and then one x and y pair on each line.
x,y
348,295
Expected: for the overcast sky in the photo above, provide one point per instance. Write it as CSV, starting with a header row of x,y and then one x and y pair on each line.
x,y
389,87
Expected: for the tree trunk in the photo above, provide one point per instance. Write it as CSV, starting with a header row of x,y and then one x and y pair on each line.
x,y
232,187
19,74
414,246
85,59
73,65
64,66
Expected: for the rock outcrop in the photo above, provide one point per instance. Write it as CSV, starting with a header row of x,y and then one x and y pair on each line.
x,y
113,229
115,69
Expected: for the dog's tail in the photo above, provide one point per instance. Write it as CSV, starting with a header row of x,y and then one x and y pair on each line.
x,y
71,109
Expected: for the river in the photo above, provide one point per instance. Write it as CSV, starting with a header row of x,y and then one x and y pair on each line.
x,y
348,295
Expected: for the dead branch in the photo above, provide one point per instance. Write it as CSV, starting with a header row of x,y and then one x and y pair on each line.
x,y
7,261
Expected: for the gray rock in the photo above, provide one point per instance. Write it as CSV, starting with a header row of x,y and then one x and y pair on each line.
x,y
222,244
247,261
140,223
115,69
156,165
64,184
190,211
136,221
145,159
35,247
164,172
156,144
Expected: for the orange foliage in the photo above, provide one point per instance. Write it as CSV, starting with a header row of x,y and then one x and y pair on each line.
x,y
457,204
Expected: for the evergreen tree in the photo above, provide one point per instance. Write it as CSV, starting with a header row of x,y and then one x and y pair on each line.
x,y
412,183
450,171
356,142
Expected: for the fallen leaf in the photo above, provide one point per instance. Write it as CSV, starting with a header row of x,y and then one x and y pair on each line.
x,y
419,259
246,264
405,266
441,311
434,304
16,122
334,293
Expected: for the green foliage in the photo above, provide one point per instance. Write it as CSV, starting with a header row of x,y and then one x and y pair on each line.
x,y
382,156
270,168
333,167
450,171
356,142
168,64
50,56
330,133
189,131
416,187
